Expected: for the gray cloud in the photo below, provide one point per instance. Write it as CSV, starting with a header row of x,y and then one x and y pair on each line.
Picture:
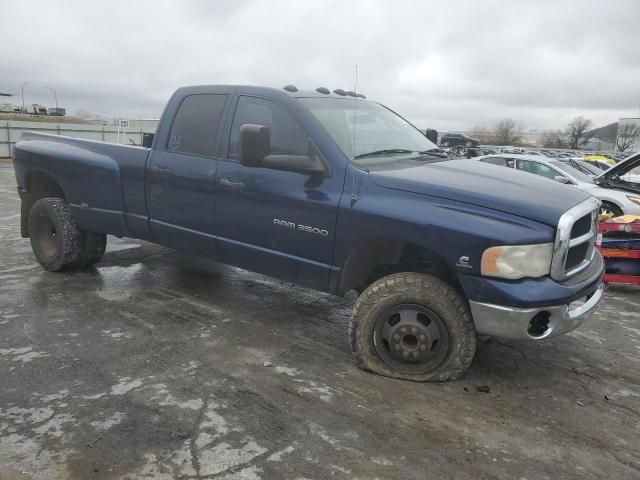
x,y
441,64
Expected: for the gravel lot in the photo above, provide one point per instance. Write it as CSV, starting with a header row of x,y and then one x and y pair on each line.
x,y
160,365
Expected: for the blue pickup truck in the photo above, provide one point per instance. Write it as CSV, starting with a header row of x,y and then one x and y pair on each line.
x,y
337,193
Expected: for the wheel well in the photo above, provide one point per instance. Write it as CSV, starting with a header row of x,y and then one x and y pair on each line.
x,y
38,185
377,259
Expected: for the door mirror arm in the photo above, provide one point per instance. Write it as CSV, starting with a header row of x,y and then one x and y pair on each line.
x,y
311,165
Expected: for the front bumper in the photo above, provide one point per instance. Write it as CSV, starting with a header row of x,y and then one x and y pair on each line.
x,y
533,323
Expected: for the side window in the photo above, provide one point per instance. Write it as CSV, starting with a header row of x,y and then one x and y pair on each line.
x,y
496,161
537,168
287,136
196,124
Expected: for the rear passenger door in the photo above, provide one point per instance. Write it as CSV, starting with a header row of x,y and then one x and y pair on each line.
x,y
181,172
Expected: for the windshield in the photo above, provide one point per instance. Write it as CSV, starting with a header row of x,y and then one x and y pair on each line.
x,y
367,132
587,166
574,172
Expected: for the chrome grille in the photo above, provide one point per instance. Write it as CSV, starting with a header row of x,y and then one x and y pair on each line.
x,y
574,246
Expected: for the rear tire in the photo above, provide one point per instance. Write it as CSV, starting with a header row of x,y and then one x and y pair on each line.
x,y
93,248
433,337
55,237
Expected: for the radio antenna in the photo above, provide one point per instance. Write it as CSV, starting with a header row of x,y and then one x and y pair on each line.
x,y
355,87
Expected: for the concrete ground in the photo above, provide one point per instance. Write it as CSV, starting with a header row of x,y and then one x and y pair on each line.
x,y
152,366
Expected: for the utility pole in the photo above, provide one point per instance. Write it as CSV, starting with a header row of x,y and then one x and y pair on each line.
x,y
22,93
55,96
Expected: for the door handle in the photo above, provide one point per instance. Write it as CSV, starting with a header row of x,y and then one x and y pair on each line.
x,y
231,183
161,170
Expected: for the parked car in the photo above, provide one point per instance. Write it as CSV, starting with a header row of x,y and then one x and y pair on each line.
x,y
600,158
276,181
585,167
458,140
603,166
615,202
623,176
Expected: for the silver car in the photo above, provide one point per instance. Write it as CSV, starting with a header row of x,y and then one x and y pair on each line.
x,y
616,202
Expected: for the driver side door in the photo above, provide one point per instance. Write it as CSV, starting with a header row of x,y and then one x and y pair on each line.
x,y
279,223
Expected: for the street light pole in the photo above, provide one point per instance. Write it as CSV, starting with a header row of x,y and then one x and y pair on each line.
x,y
55,96
22,92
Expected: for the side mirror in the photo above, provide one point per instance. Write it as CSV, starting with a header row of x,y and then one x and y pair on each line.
x,y
561,179
255,143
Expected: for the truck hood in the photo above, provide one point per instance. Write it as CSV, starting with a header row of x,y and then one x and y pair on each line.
x,y
619,177
489,186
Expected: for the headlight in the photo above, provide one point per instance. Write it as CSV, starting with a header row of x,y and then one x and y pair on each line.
x,y
517,261
635,200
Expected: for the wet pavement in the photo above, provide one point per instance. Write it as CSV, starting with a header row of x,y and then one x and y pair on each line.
x,y
158,365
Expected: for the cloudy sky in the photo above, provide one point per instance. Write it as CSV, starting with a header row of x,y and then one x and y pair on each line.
x,y
444,65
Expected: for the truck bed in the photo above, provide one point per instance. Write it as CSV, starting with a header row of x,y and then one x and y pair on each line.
x,y
103,182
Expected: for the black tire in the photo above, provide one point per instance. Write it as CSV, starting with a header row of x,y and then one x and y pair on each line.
x,y
93,248
422,292
608,207
55,237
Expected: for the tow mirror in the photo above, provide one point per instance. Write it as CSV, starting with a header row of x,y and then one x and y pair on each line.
x,y
561,179
255,143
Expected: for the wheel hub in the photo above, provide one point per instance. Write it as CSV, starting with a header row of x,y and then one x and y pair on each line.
x,y
409,342
46,235
411,337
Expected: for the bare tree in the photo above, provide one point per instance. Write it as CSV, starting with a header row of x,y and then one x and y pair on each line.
x,y
627,136
552,139
506,132
577,132
481,134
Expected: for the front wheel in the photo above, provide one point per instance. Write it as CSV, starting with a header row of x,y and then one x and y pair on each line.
x,y
412,326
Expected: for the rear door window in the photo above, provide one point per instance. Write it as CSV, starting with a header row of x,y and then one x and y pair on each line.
x,y
496,161
537,168
195,125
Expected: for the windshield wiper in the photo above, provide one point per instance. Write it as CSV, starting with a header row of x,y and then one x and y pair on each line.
x,y
434,152
388,151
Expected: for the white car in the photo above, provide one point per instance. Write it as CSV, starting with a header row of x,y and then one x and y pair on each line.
x,y
614,200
